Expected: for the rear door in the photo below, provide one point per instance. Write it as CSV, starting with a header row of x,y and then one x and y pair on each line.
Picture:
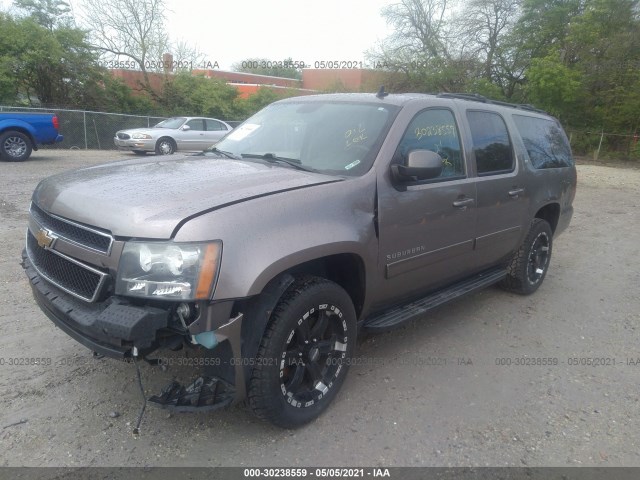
x,y
215,131
426,228
501,194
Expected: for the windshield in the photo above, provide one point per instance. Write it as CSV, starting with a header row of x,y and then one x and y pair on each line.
x,y
175,122
337,138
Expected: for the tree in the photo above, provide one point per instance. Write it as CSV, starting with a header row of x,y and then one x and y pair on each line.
x,y
486,34
553,86
48,13
420,30
544,25
420,53
132,29
263,97
186,94
263,66
186,56
55,68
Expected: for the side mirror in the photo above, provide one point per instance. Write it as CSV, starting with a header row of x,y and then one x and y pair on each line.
x,y
184,128
421,165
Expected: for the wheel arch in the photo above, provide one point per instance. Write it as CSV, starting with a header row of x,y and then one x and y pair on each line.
x,y
20,129
345,269
550,213
167,137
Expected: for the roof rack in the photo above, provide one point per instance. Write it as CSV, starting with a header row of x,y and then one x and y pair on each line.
x,y
474,97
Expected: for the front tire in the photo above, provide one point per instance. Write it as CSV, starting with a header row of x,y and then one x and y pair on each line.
x,y
304,354
165,146
15,146
530,262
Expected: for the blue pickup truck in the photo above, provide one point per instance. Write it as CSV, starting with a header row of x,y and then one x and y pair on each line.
x,y
20,133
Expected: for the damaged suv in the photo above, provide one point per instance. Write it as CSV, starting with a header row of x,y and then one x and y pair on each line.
x,y
316,218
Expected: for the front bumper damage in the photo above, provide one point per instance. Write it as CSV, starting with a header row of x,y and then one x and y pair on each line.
x,y
118,329
111,328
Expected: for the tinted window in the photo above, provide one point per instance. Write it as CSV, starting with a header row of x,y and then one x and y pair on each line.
x,y
214,125
435,130
545,142
491,143
197,124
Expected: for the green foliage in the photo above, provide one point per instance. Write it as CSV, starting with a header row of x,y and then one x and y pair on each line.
x,y
263,97
577,59
39,66
47,13
186,94
486,88
553,87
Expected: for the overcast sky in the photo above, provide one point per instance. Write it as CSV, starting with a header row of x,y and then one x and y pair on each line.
x,y
230,31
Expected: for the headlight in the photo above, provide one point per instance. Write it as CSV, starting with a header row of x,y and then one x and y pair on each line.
x,y
141,136
168,270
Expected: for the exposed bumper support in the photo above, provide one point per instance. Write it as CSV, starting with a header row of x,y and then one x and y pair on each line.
x,y
207,392
111,328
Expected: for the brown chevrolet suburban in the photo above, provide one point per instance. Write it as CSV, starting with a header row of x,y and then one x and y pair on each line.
x,y
316,218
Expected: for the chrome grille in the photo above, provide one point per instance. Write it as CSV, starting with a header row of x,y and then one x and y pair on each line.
x,y
70,275
81,235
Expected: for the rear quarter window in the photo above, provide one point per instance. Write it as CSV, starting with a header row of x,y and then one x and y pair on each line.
x,y
545,141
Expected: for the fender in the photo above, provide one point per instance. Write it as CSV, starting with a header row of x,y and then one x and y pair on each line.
x,y
257,312
15,124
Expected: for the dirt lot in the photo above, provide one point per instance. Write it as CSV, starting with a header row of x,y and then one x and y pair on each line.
x,y
397,408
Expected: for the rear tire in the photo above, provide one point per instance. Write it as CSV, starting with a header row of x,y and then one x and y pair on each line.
x,y
15,146
529,264
304,354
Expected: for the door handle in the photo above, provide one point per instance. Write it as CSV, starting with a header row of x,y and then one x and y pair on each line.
x,y
463,202
515,192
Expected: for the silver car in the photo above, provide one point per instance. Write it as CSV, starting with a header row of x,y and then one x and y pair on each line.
x,y
173,134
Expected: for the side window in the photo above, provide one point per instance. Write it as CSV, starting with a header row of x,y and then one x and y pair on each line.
x,y
491,143
546,143
435,130
214,125
196,124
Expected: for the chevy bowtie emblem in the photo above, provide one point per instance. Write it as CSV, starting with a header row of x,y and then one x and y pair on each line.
x,y
44,238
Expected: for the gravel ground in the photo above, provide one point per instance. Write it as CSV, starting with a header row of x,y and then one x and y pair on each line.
x,y
430,393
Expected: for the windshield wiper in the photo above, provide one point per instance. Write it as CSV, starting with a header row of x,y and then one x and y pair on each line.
x,y
223,153
270,157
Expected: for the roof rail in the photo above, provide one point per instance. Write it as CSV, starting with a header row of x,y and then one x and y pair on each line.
x,y
474,97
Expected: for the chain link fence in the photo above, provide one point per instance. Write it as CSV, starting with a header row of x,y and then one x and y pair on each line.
x,y
602,145
83,129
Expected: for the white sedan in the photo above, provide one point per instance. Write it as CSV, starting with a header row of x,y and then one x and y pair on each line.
x,y
173,134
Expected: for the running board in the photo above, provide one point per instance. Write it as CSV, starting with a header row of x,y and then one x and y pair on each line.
x,y
400,314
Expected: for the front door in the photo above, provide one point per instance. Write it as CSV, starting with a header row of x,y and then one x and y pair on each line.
x,y
426,227
193,138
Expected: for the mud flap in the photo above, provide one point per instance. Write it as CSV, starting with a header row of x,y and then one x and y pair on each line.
x,y
205,393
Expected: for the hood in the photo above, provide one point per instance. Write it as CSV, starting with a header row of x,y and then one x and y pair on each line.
x,y
150,198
